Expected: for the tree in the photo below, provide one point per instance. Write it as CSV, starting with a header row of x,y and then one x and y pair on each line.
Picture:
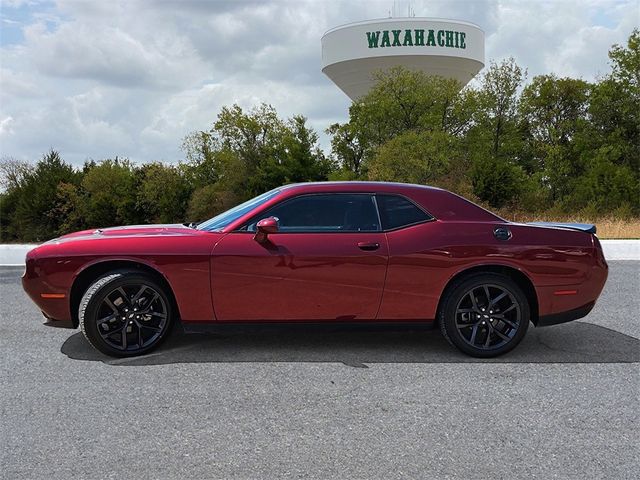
x,y
494,143
349,150
34,217
13,173
498,107
109,194
610,143
413,158
247,153
553,113
405,108
163,193
201,167
404,100
208,201
615,104
497,181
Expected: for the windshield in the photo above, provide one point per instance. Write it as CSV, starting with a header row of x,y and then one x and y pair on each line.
x,y
218,222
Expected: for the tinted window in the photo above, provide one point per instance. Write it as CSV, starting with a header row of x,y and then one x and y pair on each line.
x,y
396,211
325,213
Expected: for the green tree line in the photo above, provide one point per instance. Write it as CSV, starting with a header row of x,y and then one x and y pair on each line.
x,y
557,146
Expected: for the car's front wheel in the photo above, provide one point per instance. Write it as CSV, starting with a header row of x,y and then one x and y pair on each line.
x,y
484,315
125,314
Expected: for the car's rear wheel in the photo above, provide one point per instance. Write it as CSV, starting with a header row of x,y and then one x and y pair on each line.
x,y
484,315
125,314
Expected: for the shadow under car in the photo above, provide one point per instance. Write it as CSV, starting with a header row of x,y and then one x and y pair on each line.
x,y
575,342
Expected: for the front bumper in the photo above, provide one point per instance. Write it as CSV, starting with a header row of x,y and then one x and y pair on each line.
x,y
51,298
52,322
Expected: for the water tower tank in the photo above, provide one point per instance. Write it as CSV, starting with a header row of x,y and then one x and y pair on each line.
x,y
352,53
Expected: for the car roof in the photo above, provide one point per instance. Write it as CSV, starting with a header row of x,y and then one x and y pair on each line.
x,y
357,186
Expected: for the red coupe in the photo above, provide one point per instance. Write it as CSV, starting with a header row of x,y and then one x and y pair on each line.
x,y
322,252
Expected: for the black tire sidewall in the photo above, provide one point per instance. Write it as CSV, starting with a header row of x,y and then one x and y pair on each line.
x,y
447,314
95,299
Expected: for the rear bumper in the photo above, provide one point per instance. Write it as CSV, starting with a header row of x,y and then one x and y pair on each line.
x,y
563,317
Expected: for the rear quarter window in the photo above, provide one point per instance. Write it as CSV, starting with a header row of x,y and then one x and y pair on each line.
x,y
397,212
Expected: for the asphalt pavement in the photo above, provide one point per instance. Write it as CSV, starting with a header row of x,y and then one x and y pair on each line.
x,y
329,403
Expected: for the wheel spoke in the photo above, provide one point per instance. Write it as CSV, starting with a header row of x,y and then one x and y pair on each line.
x,y
513,305
488,295
488,340
110,304
139,294
498,298
509,323
112,332
149,327
501,335
473,300
474,332
106,319
147,308
125,297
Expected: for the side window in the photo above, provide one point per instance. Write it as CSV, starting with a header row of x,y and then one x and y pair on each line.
x,y
396,211
336,212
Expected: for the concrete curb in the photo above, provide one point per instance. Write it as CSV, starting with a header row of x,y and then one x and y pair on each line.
x,y
12,255
621,249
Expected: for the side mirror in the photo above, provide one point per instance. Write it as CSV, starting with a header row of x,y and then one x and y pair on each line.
x,y
264,227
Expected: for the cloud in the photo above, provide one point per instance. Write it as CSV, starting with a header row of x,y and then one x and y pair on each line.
x,y
132,77
5,126
17,85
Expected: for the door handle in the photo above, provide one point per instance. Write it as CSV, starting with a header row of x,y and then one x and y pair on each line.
x,y
368,245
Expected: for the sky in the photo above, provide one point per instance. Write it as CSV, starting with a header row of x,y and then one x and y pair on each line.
x,y
96,79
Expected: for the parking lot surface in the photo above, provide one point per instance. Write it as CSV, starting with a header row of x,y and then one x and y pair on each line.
x,y
331,403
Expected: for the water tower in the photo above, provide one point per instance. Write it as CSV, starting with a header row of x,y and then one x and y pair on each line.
x,y
352,53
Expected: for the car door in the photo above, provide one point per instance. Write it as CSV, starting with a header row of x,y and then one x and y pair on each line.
x,y
327,261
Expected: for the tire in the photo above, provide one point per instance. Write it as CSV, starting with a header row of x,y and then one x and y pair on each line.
x,y
125,314
499,327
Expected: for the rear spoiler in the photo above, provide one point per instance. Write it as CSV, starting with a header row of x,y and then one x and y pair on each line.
x,y
582,227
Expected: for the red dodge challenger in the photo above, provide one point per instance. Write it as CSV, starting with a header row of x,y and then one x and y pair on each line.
x,y
322,252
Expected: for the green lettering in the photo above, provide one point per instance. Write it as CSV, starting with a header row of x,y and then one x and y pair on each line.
x,y
419,37
385,39
396,38
372,38
407,38
431,39
457,39
462,44
448,35
441,38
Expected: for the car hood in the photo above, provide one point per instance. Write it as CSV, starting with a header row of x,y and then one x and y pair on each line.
x,y
128,231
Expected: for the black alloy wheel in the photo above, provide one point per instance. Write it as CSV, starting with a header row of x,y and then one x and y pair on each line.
x,y
485,315
125,314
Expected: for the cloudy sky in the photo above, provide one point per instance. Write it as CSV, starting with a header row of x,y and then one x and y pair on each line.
x,y
100,78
